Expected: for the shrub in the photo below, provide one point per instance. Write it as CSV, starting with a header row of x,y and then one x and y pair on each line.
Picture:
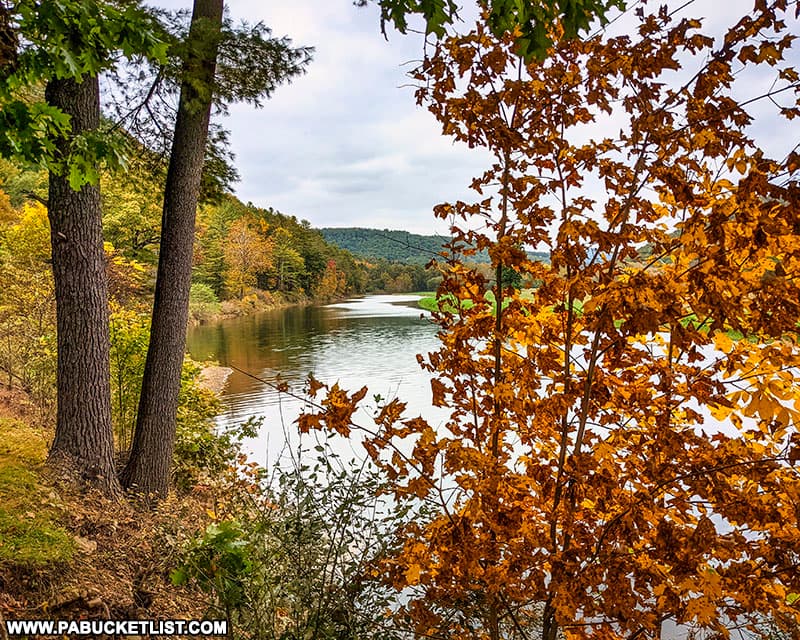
x,y
130,335
27,307
198,451
294,556
203,302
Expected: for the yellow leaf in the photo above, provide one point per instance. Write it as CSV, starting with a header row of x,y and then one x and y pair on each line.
x,y
723,342
412,574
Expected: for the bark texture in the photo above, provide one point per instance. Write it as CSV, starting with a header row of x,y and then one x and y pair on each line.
x,y
148,467
84,439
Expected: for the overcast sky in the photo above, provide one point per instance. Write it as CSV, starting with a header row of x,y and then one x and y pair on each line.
x,y
345,144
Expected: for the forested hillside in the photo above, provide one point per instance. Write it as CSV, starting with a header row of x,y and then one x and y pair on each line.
x,y
389,244
399,246
242,252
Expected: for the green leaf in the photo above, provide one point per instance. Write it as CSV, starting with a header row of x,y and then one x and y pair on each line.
x,y
179,577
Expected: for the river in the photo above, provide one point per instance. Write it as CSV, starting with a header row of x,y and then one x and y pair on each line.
x,y
372,341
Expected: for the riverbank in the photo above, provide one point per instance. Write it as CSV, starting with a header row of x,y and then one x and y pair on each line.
x,y
257,302
213,377
264,301
369,340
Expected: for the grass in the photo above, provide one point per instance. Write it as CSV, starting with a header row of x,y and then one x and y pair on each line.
x,y
29,531
433,303
449,304
45,565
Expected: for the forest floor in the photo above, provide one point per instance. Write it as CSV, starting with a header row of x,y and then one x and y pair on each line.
x,y
67,554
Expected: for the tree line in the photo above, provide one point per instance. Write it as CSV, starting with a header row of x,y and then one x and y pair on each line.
x,y
388,244
239,249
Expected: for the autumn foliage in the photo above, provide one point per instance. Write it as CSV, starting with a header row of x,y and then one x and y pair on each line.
x,y
621,450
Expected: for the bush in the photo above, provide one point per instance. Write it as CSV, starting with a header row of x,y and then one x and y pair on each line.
x,y
203,302
130,335
27,307
219,563
296,556
199,453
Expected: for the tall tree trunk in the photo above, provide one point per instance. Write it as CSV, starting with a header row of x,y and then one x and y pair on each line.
x,y
84,440
148,468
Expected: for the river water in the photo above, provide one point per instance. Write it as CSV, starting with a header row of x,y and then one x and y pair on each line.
x,y
370,341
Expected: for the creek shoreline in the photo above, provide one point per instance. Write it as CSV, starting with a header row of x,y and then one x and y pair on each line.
x,y
248,306
214,376
241,308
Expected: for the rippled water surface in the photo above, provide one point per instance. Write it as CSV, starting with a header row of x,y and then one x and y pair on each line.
x,y
370,341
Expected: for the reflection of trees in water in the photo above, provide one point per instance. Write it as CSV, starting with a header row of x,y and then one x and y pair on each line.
x,y
338,343
297,340
268,341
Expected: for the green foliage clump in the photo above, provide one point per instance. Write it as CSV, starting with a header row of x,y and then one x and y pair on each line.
x,y
203,302
130,334
22,182
70,39
219,563
531,22
199,452
132,214
293,555
429,303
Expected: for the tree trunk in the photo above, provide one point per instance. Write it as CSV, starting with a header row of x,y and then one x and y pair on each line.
x,y
84,439
148,468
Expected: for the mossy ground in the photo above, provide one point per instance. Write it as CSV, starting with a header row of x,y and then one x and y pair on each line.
x,y
30,533
68,553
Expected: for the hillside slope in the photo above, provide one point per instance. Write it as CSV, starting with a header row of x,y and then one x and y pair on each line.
x,y
393,245
397,246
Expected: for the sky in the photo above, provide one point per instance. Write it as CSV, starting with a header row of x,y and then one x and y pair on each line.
x,y
345,144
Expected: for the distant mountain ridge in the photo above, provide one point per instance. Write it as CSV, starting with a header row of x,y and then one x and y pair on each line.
x,y
396,246
388,244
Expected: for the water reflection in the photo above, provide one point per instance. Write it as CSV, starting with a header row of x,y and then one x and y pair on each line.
x,y
370,341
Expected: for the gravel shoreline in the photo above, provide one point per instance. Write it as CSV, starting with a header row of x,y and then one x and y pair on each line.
x,y
214,377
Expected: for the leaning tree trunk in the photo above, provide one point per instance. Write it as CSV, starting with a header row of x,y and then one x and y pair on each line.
x,y
148,468
84,440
